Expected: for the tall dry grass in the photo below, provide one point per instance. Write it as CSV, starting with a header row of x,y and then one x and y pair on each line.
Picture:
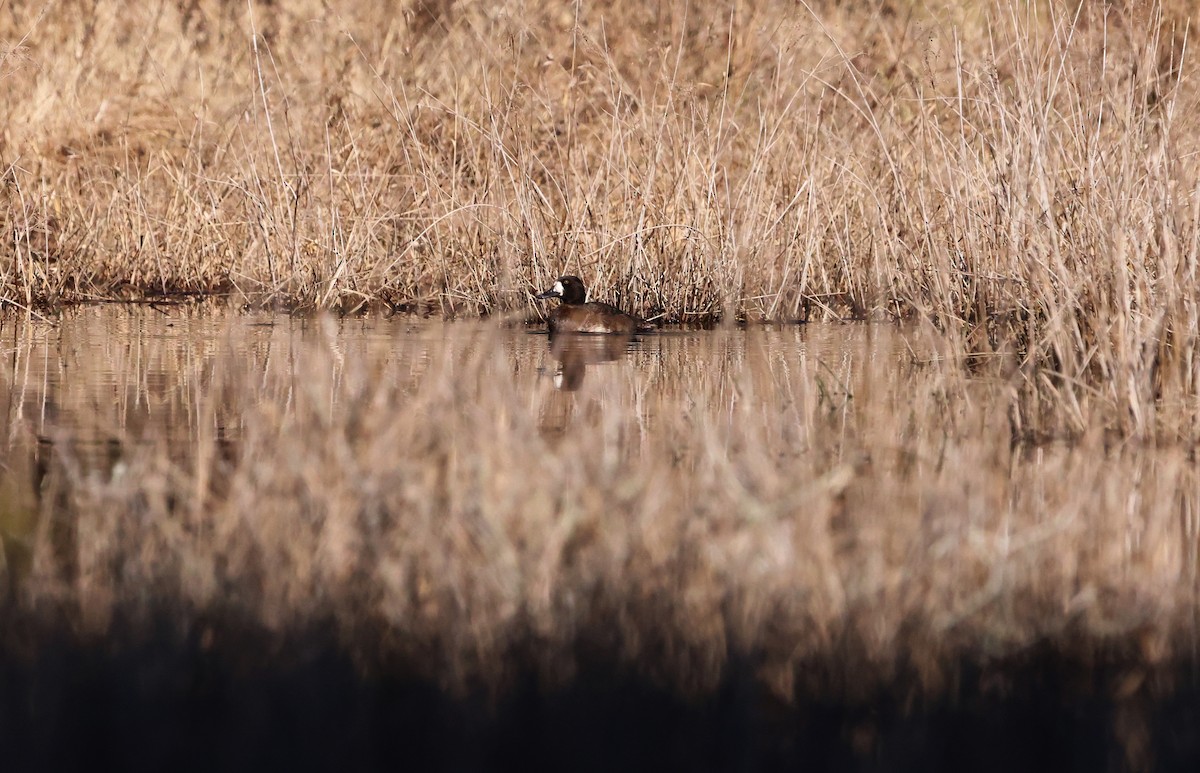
x,y
1021,175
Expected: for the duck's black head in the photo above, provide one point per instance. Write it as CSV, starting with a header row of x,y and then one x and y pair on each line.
x,y
568,289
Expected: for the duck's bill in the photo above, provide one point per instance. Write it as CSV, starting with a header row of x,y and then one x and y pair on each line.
x,y
554,292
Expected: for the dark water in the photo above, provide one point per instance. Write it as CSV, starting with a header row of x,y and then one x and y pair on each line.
x,y
215,689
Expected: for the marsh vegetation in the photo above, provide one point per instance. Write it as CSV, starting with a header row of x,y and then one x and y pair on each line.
x,y
1001,465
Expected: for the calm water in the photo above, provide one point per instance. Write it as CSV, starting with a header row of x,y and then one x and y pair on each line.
x,y
109,374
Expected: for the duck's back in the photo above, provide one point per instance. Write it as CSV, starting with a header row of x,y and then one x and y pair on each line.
x,y
592,317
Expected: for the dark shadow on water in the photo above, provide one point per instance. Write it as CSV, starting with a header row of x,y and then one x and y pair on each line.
x,y
244,701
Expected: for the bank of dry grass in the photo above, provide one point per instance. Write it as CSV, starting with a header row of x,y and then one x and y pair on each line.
x,y
1022,175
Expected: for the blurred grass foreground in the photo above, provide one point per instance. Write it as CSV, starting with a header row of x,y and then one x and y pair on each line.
x,y
717,539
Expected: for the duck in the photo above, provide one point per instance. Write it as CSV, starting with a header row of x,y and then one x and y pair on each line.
x,y
576,315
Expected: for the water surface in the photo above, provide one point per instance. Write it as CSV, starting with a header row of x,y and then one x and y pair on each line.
x,y
104,375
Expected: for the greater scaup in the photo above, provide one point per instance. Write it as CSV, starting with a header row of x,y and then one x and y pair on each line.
x,y
576,315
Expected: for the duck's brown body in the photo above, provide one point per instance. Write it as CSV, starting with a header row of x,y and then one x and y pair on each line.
x,y
576,315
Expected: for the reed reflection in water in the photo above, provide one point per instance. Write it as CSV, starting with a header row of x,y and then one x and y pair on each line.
x,y
818,501
575,352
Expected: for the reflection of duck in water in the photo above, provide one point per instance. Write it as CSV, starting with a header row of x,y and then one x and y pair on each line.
x,y
575,352
576,315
